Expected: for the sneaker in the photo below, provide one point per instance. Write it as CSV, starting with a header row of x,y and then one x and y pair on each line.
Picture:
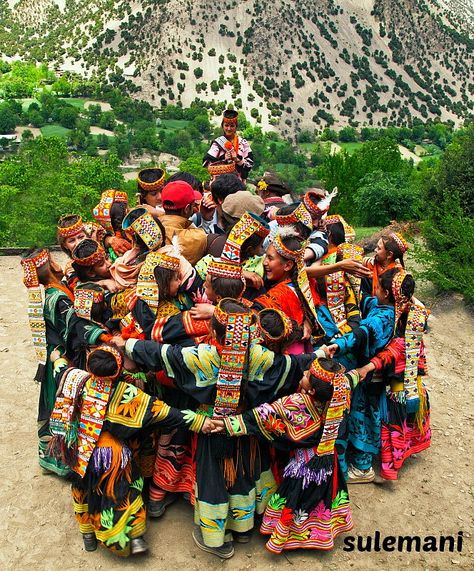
x,y
138,545
225,551
90,541
356,476
156,508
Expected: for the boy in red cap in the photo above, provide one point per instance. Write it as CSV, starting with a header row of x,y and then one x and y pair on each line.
x,y
178,198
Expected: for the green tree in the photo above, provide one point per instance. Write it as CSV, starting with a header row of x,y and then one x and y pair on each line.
x,y
8,119
194,166
449,226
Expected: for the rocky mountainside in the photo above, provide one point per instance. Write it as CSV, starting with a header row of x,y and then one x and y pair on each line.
x,y
290,63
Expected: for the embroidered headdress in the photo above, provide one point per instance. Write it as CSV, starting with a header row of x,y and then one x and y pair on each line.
x,y
299,214
102,211
349,233
318,201
35,306
230,116
400,241
348,251
233,356
229,264
317,465
69,225
147,288
144,226
298,257
417,316
79,412
85,295
151,179
96,256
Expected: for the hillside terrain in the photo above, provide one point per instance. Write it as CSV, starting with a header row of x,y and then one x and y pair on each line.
x,y
291,64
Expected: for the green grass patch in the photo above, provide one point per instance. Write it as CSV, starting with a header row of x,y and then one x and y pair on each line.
x,y
364,231
74,101
174,123
55,131
350,147
309,147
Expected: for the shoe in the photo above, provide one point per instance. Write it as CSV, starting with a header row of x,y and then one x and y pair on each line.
x,y
156,508
225,551
356,476
90,541
138,545
242,537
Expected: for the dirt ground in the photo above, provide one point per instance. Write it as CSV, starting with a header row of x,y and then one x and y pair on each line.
x,y
434,495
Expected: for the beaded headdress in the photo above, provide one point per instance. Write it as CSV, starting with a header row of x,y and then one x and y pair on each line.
x,y
145,226
102,211
158,179
416,324
116,355
318,201
317,465
97,256
400,299
299,214
349,233
73,227
233,357
147,288
346,251
298,257
340,402
400,241
76,428
229,264
230,116
35,303
84,298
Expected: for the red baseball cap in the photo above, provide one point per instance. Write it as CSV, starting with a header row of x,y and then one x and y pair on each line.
x,y
176,195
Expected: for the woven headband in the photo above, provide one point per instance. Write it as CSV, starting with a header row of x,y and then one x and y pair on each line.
x,y
147,289
321,373
300,214
285,252
145,226
400,241
118,359
30,267
220,268
151,186
92,259
68,231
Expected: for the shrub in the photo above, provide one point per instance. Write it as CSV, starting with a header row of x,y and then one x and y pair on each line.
x,y
449,226
382,197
